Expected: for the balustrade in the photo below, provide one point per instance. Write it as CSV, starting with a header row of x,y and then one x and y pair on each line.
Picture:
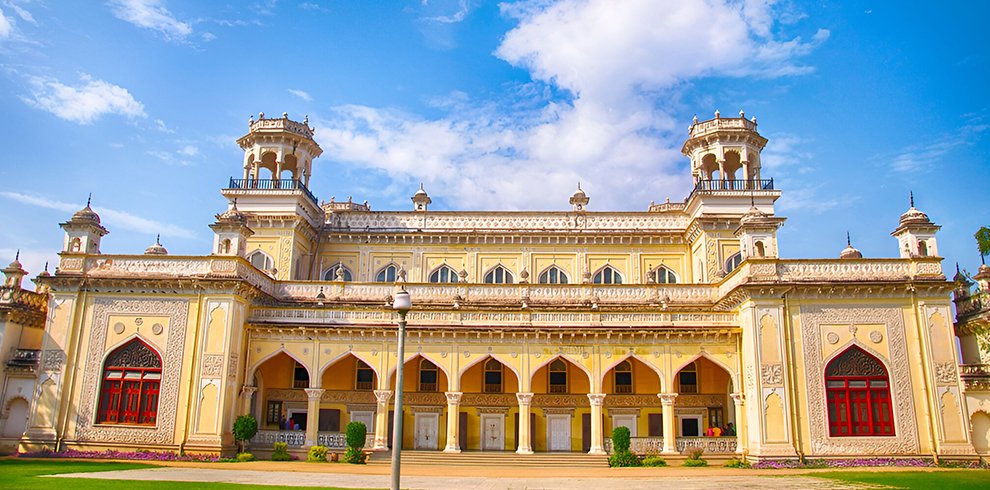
x,y
711,445
297,439
640,445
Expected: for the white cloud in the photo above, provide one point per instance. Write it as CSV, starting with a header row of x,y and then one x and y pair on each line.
x,y
621,64
458,16
301,94
151,14
85,103
924,157
188,150
208,36
6,27
111,218
23,14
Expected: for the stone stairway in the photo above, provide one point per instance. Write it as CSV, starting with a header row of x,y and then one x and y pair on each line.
x,y
486,458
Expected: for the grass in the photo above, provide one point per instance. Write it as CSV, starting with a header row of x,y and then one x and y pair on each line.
x,y
25,474
954,479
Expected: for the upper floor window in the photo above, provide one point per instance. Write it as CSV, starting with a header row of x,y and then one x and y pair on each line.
x,y
260,260
444,273
388,274
607,275
300,377
498,275
688,379
493,376
558,376
663,275
332,273
427,376
364,376
553,275
857,391
733,262
623,377
132,376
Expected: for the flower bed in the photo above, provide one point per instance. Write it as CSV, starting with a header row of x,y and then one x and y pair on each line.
x,y
133,455
775,464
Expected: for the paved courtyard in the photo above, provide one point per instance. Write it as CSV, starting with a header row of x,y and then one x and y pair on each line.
x,y
700,481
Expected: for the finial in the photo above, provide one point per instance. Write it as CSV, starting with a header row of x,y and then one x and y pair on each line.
x,y
46,265
421,187
695,119
17,256
848,240
261,115
717,114
158,239
742,113
752,200
285,115
753,119
912,199
306,120
957,267
579,185
251,119
89,199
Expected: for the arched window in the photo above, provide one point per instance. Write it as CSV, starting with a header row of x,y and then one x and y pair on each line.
x,y
623,377
922,248
687,379
388,274
553,275
132,375
498,275
260,260
493,376
760,249
364,376
733,261
444,273
331,273
558,376
663,275
300,377
225,246
607,275
427,376
857,390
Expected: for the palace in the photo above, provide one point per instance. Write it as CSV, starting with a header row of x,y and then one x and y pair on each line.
x,y
530,331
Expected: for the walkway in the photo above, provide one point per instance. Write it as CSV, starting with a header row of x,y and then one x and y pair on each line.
x,y
702,481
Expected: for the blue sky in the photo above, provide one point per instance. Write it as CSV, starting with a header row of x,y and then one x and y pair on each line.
x,y
493,106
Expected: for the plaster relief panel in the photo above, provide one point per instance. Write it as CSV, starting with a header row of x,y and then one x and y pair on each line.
x,y
216,329
123,327
835,338
952,418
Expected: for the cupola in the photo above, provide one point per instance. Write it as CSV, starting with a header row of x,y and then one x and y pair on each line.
x,y
83,231
156,248
14,273
915,234
849,252
421,200
231,232
579,200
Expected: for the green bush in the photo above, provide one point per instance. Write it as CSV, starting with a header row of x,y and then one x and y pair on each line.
x,y
620,439
694,452
737,463
245,427
654,461
695,462
354,455
317,454
356,433
622,459
280,452
244,457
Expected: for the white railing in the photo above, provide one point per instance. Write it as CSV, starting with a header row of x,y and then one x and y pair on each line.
x,y
554,222
265,438
640,445
711,445
333,440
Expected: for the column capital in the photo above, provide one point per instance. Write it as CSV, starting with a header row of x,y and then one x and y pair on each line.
x,y
383,396
524,398
314,393
596,399
667,398
453,397
738,398
247,391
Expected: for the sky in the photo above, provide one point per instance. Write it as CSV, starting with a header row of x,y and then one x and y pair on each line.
x,y
493,106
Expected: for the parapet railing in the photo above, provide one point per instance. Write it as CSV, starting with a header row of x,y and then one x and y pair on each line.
x,y
271,184
734,185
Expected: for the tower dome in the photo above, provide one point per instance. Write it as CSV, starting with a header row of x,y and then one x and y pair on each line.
x,y
86,214
156,248
579,200
850,252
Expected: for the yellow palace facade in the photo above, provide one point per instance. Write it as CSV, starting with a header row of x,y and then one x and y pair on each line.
x,y
530,332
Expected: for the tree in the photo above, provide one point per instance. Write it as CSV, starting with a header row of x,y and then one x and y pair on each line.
x,y
983,242
245,427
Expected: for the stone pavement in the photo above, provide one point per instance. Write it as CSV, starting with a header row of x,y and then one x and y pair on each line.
x,y
346,480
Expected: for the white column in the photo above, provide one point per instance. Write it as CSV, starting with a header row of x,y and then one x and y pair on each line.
x,y
246,393
739,400
453,427
381,420
313,415
745,169
597,399
669,427
525,446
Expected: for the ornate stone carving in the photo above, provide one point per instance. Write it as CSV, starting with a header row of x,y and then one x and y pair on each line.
x,y
876,336
906,439
314,393
53,360
232,366
524,399
164,432
667,398
157,329
772,374
596,399
383,396
832,338
212,365
945,373
453,397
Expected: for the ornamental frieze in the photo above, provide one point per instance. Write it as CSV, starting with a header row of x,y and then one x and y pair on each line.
x,y
546,400
489,400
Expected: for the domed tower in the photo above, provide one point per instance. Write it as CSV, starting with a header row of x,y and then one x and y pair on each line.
x,y
915,234
83,232
579,200
725,153
421,200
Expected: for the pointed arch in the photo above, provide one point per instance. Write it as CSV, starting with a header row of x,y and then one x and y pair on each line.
x,y
499,274
607,275
341,356
733,375
389,273
331,273
491,355
553,275
566,358
261,260
131,377
254,367
443,274
857,395
662,274
732,262
441,367
626,357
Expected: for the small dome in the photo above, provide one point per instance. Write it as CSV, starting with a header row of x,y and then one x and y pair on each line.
x,y
983,272
913,216
156,248
86,214
753,214
232,214
421,191
579,192
850,253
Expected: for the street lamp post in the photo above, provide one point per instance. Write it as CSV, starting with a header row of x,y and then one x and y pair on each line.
x,y
402,304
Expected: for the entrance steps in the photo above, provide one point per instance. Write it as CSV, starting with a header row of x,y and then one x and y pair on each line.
x,y
492,458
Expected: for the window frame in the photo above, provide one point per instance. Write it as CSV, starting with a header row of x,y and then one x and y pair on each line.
x,y
670,277
425,387
553,275
297,381
607,275
437,275
499,274
125,399
555,388
269,262
732,263
359,367
691,368
383,274
331,273
486,370
847,404
627,388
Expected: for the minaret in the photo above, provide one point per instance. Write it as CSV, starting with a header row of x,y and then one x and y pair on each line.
x,y
915,234
421,200
757,233
579,200
83,231
14,273
231,232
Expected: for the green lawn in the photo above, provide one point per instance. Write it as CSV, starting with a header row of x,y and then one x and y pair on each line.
x,y
954,479
25,474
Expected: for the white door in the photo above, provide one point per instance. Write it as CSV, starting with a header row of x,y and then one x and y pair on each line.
x,y
492,432
627,421
427,431
558,432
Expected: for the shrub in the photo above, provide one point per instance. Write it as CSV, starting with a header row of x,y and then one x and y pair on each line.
x,y
280,452
695,462
356,433
621,459
245,457
317,454
354,455
694,452
737,463
654,461
620,439
245,427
